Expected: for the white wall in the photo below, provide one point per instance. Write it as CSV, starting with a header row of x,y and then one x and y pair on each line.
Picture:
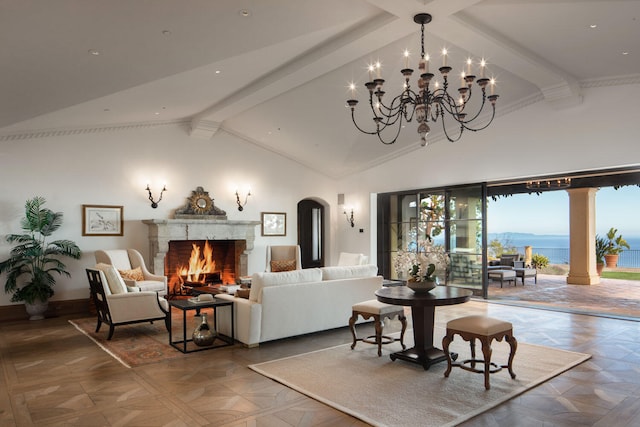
x,y
112,168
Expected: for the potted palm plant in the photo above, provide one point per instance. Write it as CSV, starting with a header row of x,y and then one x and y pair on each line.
x,y
601,250
615,245
33,260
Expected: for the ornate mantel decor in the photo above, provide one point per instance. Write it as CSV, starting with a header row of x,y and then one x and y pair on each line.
x,y
200,205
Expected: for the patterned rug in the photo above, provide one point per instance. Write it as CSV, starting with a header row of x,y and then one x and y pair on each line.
x,y
131,345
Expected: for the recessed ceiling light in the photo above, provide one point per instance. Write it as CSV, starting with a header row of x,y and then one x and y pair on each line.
x,y
245,12
593,26
625,53
94,52
166,32
218,71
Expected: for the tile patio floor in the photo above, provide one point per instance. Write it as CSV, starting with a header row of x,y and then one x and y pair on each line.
x,y
611,298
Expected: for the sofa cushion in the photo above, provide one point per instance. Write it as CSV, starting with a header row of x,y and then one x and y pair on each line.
x,y
266,279
347,258
134,274
349,271
283,265
114,280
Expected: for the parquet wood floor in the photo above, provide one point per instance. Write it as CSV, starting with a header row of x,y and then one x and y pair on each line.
x,y
52,375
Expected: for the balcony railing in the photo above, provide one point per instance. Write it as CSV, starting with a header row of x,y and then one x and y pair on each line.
x,y
629,258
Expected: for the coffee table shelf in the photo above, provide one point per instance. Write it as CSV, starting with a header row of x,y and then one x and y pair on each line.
x,y
186,345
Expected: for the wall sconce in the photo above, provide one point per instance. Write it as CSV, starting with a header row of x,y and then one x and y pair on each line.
x,y
240,204
349,217
154,203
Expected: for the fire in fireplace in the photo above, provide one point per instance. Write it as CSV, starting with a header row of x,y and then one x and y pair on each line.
x,y
202,262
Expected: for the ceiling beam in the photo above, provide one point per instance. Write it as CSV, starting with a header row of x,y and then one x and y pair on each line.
x,y
559,88
336,52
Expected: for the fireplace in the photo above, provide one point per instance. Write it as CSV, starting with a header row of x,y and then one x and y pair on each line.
x,y
238,236
203,262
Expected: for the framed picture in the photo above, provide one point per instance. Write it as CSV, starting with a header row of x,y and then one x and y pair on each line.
x,y
100,220
274,224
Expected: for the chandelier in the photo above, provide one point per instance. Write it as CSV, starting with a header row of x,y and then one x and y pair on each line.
x,y
431,102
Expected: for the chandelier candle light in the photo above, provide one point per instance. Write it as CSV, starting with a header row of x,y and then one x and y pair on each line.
x,y
427,104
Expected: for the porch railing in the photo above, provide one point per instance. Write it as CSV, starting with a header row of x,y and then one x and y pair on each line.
x,y
629,258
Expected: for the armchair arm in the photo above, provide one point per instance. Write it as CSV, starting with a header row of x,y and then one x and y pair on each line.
x,y
135,306
137,261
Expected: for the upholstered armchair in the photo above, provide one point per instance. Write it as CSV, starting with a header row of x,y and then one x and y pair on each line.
x,y
347,258
116,304
283,258
130,264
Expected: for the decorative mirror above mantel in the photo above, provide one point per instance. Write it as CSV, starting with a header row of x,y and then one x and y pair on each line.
x,y
200,205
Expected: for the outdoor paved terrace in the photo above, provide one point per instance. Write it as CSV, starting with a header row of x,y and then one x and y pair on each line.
x,y
610,298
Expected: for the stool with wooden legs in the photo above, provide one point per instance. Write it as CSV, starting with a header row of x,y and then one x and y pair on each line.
x,y
485,329
378,311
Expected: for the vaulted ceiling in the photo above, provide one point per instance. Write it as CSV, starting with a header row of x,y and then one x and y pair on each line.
x,y
275,72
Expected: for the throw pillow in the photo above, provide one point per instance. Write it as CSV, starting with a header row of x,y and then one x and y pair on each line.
x,y
283,265
135,274
243,293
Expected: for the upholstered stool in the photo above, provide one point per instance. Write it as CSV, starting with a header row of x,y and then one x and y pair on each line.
x,y
379,311
486,329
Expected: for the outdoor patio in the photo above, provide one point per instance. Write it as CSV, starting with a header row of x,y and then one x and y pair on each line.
x,y
611,298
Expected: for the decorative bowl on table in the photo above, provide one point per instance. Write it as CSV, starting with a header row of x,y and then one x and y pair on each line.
x,y
422,287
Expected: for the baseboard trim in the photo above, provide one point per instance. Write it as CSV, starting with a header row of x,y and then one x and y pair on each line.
x,y
56,309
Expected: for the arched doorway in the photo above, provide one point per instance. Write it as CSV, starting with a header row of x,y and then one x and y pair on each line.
x,y
311,233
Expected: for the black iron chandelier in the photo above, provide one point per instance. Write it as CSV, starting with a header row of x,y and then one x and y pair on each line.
x,y
427,103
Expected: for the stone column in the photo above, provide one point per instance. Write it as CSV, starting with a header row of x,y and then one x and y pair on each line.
x,y
582,229
528,255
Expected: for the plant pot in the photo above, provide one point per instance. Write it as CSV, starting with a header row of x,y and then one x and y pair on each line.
x,y
36,310
599,268
611,260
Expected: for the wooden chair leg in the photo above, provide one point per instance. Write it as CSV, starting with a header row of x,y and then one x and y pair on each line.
x,y
445,348
486,353
403,320
352,327
111,331
513,345
378,327
472,346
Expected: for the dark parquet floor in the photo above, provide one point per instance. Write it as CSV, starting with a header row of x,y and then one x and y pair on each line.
x,y
53,376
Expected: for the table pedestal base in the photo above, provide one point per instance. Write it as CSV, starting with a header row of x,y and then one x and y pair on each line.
x,y
426,359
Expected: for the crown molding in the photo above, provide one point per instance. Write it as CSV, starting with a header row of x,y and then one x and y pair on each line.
x,y
49,133
629,79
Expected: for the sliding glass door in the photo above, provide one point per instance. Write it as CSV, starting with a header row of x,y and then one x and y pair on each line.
x,y
465,226
449,219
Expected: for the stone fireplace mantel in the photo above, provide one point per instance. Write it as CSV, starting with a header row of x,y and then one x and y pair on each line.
x,y
162,231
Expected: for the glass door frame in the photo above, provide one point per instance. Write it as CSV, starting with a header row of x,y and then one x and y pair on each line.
x,y
390,229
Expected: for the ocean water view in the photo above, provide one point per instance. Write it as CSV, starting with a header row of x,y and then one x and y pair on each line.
x,y
556,247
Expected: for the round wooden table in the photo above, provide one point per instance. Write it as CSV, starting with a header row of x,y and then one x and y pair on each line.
x,y
423,313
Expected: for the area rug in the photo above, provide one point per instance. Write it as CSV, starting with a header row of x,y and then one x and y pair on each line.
x,y
131,345
385,393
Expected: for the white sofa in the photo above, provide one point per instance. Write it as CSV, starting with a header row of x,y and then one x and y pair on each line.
x,y
291,303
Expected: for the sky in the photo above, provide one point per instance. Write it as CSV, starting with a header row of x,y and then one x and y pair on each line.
x,y
548,213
